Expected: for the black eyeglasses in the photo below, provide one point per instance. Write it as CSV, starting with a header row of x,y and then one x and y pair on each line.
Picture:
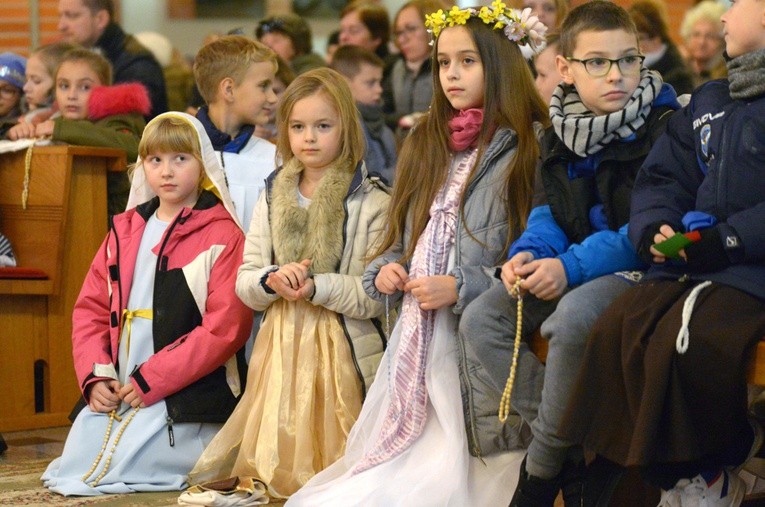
x,y
598,67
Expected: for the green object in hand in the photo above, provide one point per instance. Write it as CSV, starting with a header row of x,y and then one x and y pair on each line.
x,y
671,247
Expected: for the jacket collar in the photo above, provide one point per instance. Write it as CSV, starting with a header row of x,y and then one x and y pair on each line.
x,y
111,41
358,178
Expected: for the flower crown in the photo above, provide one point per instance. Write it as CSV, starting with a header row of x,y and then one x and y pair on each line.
x,y
521,27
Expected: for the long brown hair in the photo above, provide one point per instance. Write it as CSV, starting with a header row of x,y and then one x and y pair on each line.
x,y
510,101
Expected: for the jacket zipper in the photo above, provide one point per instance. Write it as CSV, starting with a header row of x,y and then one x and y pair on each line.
x,y
353,355
170,433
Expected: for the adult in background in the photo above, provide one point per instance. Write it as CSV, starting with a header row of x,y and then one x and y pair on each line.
x,y
366,24
289,36
661,54
91,23
702,32
549,12
408,89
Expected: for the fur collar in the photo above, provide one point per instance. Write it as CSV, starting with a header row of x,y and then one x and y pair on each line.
x,y
316,232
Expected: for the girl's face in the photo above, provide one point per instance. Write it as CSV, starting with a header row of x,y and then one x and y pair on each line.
x,y
9,97
743,27
353,32
175,178
314,131
545,11
411,36
75,81
38,85
460,69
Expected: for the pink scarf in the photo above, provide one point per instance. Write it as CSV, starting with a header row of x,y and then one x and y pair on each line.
x,y
465,127
407,412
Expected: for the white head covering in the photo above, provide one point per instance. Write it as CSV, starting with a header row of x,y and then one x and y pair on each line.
x,y
140,191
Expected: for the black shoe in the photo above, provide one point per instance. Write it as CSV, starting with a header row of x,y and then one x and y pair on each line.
x,y
601,478
572,482
535,492
3,445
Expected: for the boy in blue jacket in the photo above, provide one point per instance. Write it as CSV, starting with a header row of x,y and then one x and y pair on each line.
x,y
606,115
668,359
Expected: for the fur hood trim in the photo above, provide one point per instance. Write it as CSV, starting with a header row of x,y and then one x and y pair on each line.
x,y
316,232
122,98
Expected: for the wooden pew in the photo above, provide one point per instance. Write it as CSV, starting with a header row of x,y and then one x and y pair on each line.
x,y
58,232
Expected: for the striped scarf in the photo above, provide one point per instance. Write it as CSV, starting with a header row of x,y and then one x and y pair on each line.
x,y
586,134
407,412
6,253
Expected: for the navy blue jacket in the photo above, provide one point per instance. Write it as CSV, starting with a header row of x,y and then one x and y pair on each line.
x,y
710,163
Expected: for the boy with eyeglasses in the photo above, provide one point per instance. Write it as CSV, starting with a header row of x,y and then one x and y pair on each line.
x,y
574,257
12,68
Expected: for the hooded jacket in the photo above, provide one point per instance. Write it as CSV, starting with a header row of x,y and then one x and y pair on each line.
x,y
365,204
709,163
199,324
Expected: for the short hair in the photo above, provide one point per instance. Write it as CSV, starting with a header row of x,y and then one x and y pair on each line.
x,y
100,5
598,16
348,60
291,25
551,39
96,62
650,17
335,89
708,10
375,18
228,57
51,55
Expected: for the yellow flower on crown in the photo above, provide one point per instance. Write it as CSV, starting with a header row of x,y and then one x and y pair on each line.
x,y
521,27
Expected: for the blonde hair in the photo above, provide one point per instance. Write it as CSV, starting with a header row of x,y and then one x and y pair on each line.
x,y
170,134
228,57
424,158
334,88
96,62
708,10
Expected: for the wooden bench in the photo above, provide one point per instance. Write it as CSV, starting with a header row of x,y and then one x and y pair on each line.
x,y
755,375
56,231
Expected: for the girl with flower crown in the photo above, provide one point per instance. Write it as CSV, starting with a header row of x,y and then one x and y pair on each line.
x,y
463,192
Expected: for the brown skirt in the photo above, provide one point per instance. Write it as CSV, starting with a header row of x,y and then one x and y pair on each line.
x,y
638,402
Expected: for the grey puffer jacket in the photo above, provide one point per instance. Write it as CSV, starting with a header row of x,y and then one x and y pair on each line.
x,y
476,260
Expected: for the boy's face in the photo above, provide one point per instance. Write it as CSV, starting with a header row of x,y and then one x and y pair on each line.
x,y
608,93
744,26
253,100
75,81
9,97
547,72
366,86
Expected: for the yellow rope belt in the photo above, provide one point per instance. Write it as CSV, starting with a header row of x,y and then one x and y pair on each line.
x,y
127,319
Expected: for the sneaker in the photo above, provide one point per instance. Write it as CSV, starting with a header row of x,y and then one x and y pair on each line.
x,y
725,490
